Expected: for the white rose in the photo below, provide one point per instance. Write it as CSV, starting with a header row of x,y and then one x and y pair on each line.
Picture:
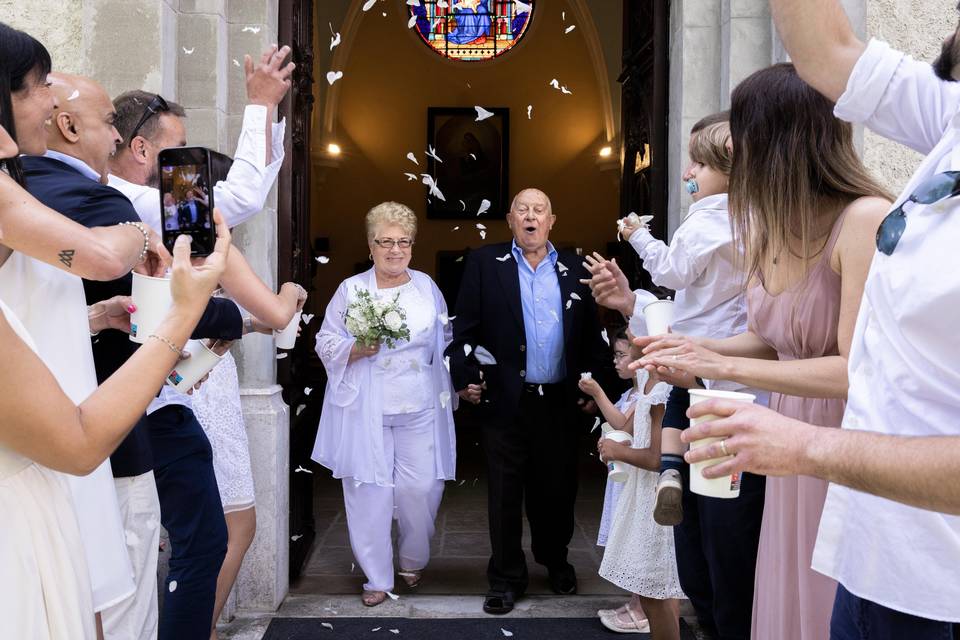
x,y
393,321
357,326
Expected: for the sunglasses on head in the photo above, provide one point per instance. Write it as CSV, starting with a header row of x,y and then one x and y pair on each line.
x,y
935,188
157,105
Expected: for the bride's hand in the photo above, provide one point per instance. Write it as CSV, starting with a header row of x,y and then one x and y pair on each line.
x,y
362,351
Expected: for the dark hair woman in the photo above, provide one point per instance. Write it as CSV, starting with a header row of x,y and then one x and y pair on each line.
x,y
806,212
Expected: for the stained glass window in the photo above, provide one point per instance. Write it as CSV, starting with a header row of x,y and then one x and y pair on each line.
x,y
471,29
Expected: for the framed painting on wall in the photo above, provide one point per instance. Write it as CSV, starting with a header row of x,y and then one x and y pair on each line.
x,y
473,164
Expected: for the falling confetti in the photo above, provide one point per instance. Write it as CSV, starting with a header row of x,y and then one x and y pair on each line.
x,y
566,91
456,228
506,634
467,349
569,29
569,304
475,481
480,225
325,625
521,7
412,158
322,259
375,629
334,41
189,51
442,4
74,95
555,83
173,586
307,390
482,114
253,30
460,259
529,111
484,206
412,21
352,567
462,482
236,62
281,356
384,14
473,155
443,318
432,153
307,317
561,267
596,423
563,15
446,362
504,258
606,338
434,188
575,296
444,399
300,469
295,538
411,176
393,596
395,631
333,76
483,235
369,5
413,3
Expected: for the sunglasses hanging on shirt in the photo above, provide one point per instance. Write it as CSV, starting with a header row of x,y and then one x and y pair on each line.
x,y
934,189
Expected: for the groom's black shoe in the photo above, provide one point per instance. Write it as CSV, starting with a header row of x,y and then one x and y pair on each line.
x,y
498,603
563,580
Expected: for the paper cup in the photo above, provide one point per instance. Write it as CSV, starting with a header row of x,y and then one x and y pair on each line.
x,y
188,372
726,486
617,470
287,337
152,298
658,315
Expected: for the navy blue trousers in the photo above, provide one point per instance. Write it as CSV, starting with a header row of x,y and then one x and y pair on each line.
x,y
191,512
857,619
716,545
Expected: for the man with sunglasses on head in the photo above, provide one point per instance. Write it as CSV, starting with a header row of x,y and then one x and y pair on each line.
x,y
890,529
149,123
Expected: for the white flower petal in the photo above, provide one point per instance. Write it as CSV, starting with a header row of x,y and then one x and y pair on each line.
x,y
395,631
460,259
569,303
281,356
482,114
506,634
431,152
467,349
484,206
462,482
505,257
326,625
444,399
446,363
575,296
412,158
456,228
333,76
306,318
334,41
412,21
369,4
307,390
540,389
569,29
522,7
566,91
606,338
480,225
173,586
555,83
189,51
596,423
74,95
483,235
561,267
294,539
529,112
300,469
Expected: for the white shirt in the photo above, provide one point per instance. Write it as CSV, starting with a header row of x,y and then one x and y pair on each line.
x,y
700,265
239,197
244,192
407,366
904,365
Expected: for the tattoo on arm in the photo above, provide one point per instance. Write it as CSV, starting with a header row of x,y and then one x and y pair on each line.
x,y
66,257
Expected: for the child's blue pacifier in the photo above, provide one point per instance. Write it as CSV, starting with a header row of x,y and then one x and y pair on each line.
x,y
692,186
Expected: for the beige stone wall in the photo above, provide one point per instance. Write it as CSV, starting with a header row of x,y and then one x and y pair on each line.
x,y
918,28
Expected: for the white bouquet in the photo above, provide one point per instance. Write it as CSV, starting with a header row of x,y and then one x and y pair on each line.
x,y
374,320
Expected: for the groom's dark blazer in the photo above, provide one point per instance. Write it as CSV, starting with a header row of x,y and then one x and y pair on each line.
x,y
489,314
86,201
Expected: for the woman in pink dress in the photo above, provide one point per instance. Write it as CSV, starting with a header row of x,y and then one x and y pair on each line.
x,y
806,213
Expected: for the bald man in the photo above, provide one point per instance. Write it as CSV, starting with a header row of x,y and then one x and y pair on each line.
x,y
163,470
523,302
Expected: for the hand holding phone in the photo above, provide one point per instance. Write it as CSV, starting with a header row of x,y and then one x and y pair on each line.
x,y
186,198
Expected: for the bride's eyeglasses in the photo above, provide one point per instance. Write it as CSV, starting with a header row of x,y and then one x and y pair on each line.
x,y
390,243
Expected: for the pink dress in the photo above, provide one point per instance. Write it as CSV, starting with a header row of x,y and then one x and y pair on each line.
x,y
790,600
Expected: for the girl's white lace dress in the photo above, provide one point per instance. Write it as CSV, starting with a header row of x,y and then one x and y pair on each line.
x,y
639,556
613,490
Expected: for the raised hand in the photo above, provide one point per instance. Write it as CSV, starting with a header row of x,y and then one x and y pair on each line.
x,y
609,284
268,81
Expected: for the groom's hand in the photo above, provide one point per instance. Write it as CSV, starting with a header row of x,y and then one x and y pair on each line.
x,y
471,393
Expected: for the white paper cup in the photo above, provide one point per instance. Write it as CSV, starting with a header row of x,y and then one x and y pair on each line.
x,y
658,315
188,372
287,337
726,486
617,470
152,298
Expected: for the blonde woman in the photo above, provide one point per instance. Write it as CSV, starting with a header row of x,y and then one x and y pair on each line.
x,y
387,424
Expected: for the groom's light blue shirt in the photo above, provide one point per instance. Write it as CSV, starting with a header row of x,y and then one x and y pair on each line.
x,y
542,316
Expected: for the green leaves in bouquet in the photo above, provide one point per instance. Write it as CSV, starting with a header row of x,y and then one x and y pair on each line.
x,y
374,320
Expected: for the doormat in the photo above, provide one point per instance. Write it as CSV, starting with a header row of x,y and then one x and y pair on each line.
x,y
447,629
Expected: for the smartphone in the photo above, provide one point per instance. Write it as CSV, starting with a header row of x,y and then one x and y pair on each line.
x,y
186,198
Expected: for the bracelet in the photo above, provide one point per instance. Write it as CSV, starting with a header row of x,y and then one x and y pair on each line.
x,y
92,317
248,325
146,238
167,342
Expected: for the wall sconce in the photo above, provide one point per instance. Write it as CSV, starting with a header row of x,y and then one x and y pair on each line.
x,y
606,152
334,149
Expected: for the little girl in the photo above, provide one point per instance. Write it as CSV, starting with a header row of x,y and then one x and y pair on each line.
x,y
639,554
619,416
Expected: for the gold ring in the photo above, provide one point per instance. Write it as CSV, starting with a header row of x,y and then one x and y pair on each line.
x,y
723,448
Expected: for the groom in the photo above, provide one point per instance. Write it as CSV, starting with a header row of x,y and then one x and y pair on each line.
x,y
524,303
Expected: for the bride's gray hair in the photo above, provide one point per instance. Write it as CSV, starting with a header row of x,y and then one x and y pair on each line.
x,y
391,213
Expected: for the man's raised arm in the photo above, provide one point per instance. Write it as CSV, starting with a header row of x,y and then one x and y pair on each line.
x,y
821,43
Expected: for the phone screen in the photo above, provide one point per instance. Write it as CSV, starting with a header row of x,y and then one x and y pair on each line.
x,y
186,198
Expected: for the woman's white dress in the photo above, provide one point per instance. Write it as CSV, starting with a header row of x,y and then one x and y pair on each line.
x,y
217,407
612,493
639,556
45,586
51,305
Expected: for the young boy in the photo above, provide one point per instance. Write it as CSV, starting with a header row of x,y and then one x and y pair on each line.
x,y
700,264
